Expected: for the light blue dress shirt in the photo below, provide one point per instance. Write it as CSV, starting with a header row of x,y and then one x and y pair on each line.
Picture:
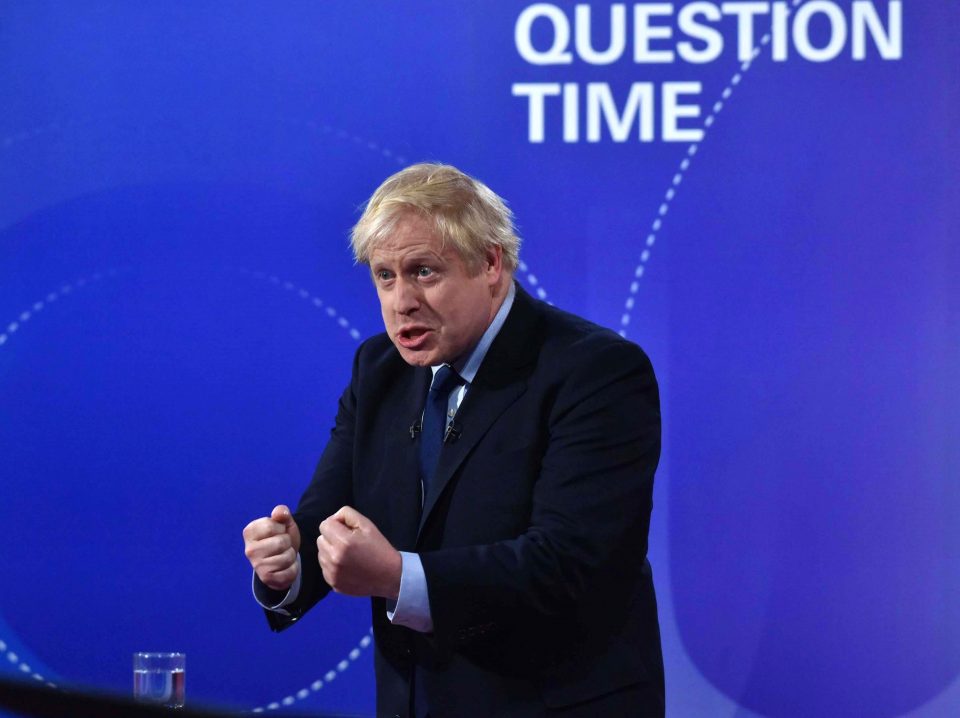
x,y
412,608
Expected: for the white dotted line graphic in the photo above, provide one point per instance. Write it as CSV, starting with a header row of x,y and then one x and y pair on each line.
x,y
9,141
318,684
12,327
681,172
6,334
344,135
21,666
315,126
15,325
354,653
532,280
66,289
305,295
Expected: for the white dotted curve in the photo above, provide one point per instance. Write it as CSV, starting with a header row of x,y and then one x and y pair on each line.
x,y
532,280
12,327
8,141
327,678
68,288
6,334
681,173
345,136
305,295
21,665
364,642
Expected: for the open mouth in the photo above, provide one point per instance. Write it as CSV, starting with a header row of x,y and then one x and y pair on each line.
x,y
412,337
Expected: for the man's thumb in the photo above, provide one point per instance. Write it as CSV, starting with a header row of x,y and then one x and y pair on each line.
x,y
281,514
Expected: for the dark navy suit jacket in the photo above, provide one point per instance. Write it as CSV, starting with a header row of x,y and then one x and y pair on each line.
x,y
534,535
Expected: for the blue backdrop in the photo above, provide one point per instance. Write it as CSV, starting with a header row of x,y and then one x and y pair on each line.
x,y
178,309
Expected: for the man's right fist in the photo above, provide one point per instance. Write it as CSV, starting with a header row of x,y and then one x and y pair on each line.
x,y
271,545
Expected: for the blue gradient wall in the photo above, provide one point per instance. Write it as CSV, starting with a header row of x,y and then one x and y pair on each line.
x,y
178,310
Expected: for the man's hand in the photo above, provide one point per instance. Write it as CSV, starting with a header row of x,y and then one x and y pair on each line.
x,y
355,557
271,545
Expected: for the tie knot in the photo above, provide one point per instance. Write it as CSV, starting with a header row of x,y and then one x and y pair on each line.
x,y
444,381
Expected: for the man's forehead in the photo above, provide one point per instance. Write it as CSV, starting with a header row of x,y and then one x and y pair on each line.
x,y
408,238
389,251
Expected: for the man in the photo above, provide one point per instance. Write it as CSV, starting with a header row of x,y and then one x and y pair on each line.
x,y
487,482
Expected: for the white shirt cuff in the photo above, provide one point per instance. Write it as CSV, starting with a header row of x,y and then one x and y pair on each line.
x,y
291,596
412,608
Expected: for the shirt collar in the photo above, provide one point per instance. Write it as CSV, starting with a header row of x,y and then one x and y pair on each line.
x,y
468,369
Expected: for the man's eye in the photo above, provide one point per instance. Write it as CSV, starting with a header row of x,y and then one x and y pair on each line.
x,y
424,271
383,275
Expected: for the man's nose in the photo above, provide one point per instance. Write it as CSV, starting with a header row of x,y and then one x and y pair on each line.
x,y
406,296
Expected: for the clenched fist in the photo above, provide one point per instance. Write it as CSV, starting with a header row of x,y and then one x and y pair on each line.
x,y
356,559
271,545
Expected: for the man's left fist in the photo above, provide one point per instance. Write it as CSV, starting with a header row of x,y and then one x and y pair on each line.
x,y
355,557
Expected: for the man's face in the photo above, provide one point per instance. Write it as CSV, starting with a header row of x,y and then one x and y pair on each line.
x,y
434,308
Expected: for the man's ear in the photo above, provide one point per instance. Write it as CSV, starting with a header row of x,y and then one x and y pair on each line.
x,y
492,266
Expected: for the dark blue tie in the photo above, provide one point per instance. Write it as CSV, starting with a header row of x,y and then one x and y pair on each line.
x,y
435,422
431,439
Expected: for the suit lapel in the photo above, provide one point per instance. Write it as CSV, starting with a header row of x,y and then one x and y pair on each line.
x,y
401,458
475,419
500,381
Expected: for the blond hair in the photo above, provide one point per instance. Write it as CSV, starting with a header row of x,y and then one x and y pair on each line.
x,y
466,213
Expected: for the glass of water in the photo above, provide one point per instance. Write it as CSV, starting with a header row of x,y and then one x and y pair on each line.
x,y
160,678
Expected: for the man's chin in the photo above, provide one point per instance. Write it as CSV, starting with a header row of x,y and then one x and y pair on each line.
x,y
425,356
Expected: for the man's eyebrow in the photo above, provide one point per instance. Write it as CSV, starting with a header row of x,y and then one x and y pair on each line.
x,y
424,255
421,256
